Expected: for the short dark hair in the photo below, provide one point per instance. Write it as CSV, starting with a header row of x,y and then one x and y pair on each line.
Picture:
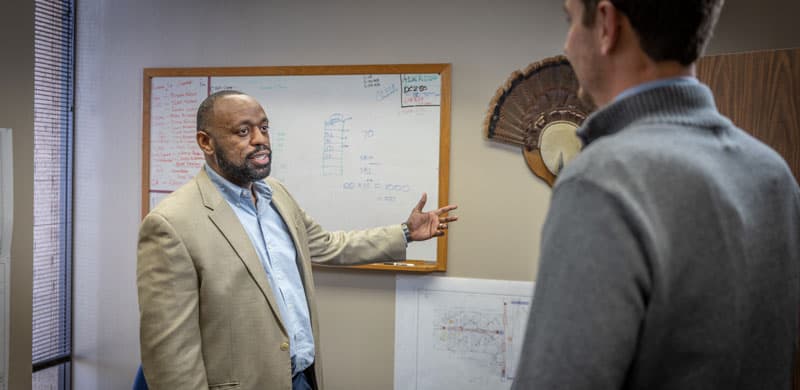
x,y
668,30
207,107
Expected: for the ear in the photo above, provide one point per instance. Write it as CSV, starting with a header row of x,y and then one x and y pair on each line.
x,y
205,142
609,20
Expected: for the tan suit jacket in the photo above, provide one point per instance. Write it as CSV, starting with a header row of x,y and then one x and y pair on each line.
x,y
208,317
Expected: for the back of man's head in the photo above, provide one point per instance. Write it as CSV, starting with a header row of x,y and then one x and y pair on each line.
x,y
668,30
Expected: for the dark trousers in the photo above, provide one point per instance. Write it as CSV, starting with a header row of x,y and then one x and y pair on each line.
x,y
305,380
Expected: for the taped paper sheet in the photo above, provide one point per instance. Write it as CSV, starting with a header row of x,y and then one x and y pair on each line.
x,y
458,333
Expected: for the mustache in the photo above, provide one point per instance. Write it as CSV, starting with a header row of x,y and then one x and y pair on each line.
x,y
260,148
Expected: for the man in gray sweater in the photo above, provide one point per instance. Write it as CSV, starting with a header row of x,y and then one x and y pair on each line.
x,y
671,251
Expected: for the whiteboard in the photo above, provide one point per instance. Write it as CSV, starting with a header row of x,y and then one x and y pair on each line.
x,y
6,226
356,146
458,333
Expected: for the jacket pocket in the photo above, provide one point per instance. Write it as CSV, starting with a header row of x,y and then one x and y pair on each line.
x,y
224,386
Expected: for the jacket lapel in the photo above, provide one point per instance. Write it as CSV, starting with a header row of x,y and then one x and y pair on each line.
x,y
225,219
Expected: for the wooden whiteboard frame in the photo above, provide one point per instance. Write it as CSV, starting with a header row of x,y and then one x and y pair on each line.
x,y
443,69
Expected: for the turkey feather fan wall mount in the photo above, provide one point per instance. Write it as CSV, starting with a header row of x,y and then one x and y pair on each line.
x,y
539,110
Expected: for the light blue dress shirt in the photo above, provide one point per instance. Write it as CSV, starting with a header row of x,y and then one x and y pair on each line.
x,y
275,248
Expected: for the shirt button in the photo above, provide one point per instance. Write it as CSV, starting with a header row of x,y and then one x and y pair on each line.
x,y
284,346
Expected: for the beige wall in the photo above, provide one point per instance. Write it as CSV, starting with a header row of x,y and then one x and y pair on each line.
x,y
502,205
16,112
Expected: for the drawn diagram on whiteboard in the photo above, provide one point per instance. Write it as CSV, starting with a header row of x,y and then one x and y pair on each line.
x,y
454,333
334,141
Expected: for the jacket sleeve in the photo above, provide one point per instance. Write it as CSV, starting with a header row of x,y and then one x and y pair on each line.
x,y
168,307
590,294
346,248
354,247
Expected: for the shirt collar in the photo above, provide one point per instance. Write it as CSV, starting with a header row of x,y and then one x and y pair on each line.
x,y
234,193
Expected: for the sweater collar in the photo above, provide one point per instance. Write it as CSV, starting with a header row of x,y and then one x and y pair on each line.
x,y
688,104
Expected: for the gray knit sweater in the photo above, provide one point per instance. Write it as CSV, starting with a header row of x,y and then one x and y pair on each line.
x,y
670,256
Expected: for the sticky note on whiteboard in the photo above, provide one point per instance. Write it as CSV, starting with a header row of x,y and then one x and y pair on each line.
x,y
423,89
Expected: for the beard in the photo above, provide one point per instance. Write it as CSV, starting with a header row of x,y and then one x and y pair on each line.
x,y
246,172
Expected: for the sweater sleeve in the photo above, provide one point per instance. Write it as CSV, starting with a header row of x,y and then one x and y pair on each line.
x,y
590,295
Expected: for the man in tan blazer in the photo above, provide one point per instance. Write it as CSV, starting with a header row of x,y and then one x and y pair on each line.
x,y
226,294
